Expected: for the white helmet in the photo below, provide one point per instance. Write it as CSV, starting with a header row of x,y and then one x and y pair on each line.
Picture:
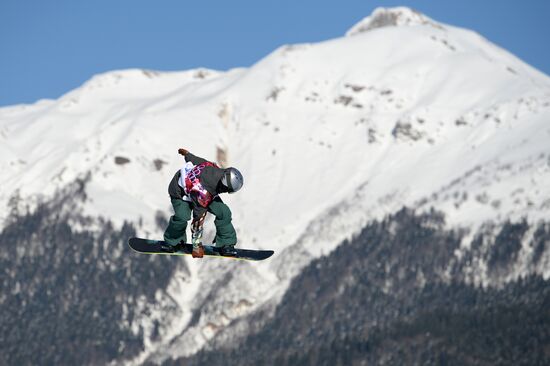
x,y
232,179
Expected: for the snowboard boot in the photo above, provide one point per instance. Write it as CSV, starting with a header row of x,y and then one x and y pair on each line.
x,y
228,251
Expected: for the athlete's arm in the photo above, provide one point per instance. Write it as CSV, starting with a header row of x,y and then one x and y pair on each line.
x,y
199,214
190,157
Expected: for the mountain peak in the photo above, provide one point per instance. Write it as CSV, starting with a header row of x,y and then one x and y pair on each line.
x,y
391,17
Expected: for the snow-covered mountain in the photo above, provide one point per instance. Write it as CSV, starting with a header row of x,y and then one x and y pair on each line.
x,y
401,111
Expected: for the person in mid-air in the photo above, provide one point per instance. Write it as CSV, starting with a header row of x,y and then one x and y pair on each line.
x,y
195,189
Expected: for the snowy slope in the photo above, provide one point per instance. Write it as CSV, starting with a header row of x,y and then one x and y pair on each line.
x,y
402,111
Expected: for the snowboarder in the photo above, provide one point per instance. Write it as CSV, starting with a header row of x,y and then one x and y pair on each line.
x,y
195,189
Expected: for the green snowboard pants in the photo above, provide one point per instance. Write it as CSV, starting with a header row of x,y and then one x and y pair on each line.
x,y
176,230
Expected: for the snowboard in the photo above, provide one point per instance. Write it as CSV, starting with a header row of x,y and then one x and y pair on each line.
x,y
149,246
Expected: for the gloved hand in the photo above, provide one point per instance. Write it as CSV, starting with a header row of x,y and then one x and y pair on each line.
x,y
183,152
198,251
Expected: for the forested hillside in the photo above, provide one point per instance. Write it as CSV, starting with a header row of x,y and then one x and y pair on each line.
x,y
396,295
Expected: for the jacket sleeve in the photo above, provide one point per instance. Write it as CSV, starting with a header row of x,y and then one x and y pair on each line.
x,y
199,214
194,159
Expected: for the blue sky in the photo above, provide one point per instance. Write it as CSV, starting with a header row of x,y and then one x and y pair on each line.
x,y
49,47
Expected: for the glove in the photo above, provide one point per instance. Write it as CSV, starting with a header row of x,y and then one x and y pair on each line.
x,y
198,251
183,152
